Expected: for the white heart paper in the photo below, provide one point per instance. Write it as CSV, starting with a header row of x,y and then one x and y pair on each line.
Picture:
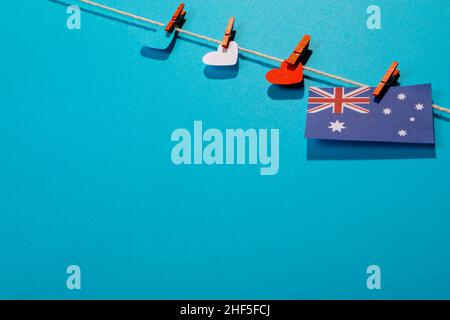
x,y
223,56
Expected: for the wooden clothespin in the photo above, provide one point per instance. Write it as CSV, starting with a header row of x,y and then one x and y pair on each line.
x,y
229,33
390,77
177,18
299,51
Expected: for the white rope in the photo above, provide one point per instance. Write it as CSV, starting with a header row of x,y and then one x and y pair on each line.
x,y
133,16
256,53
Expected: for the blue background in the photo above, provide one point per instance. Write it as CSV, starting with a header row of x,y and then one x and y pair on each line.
x,y
86,176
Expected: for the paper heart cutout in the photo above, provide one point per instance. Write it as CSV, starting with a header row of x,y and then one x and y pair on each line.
x,y
223,56
162,40
286,75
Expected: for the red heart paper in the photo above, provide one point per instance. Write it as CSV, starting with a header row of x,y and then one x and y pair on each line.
x,y
287,74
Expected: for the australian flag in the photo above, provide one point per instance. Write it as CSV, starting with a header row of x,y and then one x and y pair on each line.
x,y
404,114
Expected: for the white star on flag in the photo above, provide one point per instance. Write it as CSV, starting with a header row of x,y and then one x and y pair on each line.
x,y
387,111
402,133
412,119
401,97
419,106
337,126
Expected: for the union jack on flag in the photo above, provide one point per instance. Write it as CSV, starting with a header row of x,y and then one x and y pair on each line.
x,y
338,100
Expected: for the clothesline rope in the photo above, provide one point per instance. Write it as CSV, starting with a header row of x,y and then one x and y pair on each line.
x,y
256,53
